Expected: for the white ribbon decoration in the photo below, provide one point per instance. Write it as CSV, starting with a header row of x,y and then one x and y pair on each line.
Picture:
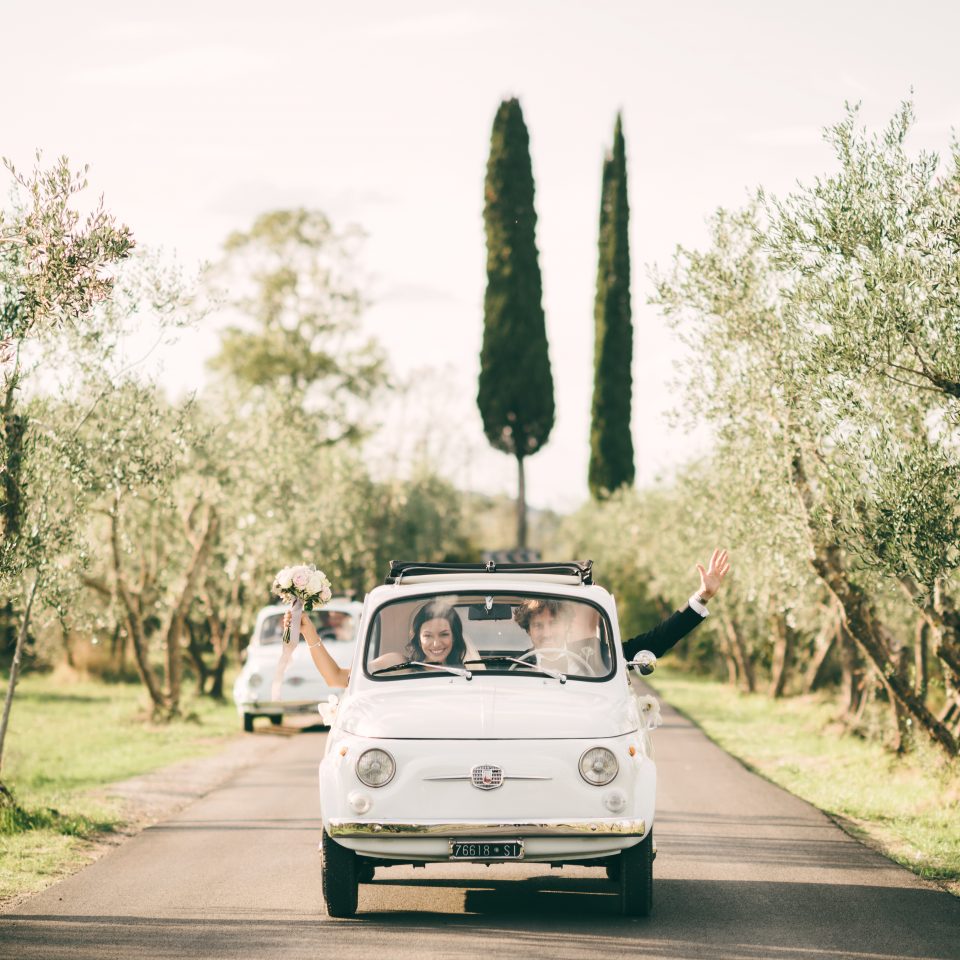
x,y
649,711
296,613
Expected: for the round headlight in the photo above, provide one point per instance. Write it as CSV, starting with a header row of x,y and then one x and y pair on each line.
x,y
254,680
375,768
598,766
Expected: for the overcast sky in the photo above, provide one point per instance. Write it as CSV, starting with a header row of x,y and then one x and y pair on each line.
x,y
197,116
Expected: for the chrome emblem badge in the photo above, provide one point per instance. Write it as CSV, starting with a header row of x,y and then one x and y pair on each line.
x,y
486,776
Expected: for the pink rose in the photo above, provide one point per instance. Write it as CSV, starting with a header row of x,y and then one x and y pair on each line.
x,y
300,580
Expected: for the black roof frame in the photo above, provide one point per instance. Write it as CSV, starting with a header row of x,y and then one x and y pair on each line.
x,y
582,569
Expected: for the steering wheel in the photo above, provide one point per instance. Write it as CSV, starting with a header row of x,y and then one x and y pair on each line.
x,y
587,669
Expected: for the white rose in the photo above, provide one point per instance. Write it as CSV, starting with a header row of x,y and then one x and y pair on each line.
x,y
285,578
316,581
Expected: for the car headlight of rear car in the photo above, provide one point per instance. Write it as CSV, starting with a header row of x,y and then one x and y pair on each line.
x,y
375,768
598,766
254,680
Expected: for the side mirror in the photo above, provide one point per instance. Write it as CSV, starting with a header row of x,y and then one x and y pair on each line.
x,y
645,662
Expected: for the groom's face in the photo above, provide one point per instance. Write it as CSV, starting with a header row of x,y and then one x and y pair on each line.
x,y
544,630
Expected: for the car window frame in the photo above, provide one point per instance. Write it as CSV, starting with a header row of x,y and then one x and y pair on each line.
x,y
539,594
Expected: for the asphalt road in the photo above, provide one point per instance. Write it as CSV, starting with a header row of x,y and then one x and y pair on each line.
x,y
744,871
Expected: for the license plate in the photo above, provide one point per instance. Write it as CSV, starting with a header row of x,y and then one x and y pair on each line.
x,y
486,850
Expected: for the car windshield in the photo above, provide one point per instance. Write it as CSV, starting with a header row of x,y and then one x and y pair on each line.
x,y
330,624
515,634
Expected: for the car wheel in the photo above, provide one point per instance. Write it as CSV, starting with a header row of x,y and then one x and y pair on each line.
x,y
365,872
636,878
339,878
276,719
613,869
248,723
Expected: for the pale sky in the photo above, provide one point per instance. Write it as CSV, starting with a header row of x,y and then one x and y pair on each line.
x,y
195,117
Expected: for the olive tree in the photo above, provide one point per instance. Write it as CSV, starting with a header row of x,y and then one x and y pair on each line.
x,y
55,266
861,458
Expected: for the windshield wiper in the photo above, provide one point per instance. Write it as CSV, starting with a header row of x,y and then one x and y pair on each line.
x,y
456,671
555,674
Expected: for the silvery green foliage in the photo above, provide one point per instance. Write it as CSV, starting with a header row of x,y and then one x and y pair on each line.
x,y
290,289
56,269
872,259
54,262
807,313
826,359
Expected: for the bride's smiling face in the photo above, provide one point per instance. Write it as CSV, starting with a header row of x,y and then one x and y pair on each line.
x,y
436,640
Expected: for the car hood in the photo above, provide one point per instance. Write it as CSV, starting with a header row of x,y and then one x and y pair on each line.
x,y
484,708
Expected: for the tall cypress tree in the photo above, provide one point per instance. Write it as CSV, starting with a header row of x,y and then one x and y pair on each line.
x,y
611,445
515,393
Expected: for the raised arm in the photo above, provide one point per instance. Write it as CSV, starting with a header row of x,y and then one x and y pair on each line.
x,y
670,631
330,670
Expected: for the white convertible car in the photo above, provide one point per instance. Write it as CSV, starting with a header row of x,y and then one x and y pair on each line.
x,y
303,689
489,718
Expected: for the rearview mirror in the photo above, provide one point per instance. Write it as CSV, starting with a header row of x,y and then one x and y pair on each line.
x,y
645,662
496,611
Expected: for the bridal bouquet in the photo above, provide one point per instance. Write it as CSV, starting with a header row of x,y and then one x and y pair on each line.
x,y
304,588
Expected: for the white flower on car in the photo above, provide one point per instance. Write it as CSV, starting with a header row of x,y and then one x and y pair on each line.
x,y
650,711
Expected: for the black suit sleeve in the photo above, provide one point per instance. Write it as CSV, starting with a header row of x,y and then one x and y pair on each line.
x,y
665,634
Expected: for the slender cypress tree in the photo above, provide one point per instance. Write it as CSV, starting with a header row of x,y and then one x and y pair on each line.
x,y
611,445
515,393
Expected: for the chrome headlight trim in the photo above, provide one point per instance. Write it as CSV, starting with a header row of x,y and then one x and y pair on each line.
x,y
370,759
601,779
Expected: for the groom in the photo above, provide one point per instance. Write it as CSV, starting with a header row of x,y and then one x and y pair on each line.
x,y
670,631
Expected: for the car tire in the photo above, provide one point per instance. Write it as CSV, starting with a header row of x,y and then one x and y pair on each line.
x,y
248,723
636,879
338,878
276,719
365,872
613,869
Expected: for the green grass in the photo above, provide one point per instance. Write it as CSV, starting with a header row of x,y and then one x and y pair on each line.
x,y
66,738
908,807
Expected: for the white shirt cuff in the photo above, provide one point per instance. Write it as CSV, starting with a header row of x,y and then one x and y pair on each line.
x,y
694,604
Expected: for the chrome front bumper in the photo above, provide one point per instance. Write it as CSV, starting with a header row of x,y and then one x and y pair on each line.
x,y
340,827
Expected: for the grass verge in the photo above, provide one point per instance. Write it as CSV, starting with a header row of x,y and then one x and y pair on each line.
x,y
907,807
67,737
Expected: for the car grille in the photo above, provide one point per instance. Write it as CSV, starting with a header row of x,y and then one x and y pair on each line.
x,y
486,777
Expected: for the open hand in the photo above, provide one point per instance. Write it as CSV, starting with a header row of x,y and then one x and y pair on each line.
x,y
712,577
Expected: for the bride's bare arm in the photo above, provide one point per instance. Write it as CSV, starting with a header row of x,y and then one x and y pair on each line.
x,y
330,670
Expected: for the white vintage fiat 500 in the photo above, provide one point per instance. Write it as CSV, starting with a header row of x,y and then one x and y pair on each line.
x,y
489,718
